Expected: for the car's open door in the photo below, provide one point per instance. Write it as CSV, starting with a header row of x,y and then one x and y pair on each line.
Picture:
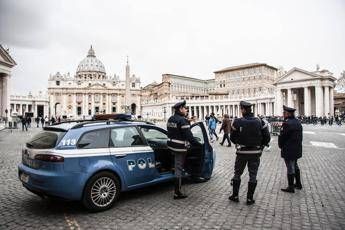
x,y
200,159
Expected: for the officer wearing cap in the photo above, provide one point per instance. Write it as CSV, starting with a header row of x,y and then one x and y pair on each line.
x,y
180,139
250,134
290,143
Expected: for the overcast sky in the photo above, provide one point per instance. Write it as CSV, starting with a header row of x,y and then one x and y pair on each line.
x,y
191,38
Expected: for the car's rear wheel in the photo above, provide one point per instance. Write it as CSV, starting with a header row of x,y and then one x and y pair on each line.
x,y
101,191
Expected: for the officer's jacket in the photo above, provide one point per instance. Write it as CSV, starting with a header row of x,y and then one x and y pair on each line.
x,y
250,134
290,139
179,134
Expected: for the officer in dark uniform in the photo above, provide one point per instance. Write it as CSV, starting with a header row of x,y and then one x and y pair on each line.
x,y
290,143
250,134
180,139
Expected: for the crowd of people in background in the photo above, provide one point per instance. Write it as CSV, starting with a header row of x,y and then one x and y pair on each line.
x,y
40,121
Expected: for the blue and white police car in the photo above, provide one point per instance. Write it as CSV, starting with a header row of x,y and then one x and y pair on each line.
x,y
97,160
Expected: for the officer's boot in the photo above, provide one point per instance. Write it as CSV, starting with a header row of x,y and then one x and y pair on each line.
x,y
250,193
235,189
298,184
178,194
291,187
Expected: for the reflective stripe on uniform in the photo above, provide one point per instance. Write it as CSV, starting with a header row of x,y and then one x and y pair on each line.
x,y
185,126
177,141
249,151
177,150
244,146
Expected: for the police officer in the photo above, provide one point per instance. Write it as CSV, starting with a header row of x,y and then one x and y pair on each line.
x,y
290,143
250,134
180,139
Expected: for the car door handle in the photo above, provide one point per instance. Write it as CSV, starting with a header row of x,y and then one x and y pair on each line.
x,y
120,155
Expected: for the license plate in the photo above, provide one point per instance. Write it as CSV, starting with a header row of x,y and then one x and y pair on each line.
x,y
24,178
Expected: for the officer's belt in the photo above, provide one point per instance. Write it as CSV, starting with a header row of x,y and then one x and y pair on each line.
x,y
177,141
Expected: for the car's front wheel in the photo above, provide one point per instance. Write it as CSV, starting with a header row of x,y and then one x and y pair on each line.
x,y
101,191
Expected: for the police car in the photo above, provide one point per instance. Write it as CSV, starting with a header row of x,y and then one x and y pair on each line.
x,y
95,161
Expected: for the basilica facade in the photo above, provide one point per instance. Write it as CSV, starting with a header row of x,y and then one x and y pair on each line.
x,y
91,91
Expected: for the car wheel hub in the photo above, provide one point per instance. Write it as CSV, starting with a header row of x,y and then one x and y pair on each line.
x,y
103,191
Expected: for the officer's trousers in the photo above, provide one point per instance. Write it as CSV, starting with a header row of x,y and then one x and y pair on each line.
x,y
291,166
253,162
180,158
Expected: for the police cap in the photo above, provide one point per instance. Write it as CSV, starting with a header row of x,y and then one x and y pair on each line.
x,y
179,104
288,109
245,104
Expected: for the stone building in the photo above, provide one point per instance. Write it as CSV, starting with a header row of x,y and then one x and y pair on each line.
x,y
265,86
158,99
251,82
91,91
6,64
30,105
339,94
311,93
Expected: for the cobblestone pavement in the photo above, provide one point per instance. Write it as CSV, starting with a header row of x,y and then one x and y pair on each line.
x,y
320,205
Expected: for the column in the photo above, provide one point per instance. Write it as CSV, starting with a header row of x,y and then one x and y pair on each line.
x,y
64,105
74,105
307,101
289,97
318,101
331,101
278,102
326,100
5,96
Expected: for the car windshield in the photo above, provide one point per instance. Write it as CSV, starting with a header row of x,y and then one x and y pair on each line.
x,y
45,140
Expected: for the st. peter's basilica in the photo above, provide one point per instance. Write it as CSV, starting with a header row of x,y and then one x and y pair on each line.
x,y
91,91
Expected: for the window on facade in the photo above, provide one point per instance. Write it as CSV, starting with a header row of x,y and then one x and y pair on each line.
x,y
94,139
125,137
89,112
57,82
113,109
96,109
79,110
133,85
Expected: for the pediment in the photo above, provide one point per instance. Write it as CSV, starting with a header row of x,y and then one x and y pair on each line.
x,y
5,58
296,74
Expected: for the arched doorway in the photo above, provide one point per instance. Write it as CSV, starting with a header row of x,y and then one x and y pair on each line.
x,y
133,108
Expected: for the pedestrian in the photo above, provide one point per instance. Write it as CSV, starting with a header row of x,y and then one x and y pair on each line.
x,y
290,143
24,125
37,120
42,121
46,121
212,125
226,125
180,138
53,120
28,121
207,118
250,135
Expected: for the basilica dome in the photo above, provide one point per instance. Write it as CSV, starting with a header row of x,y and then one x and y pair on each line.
x,y
90,66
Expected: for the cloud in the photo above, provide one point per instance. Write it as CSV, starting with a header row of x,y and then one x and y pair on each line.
x,y
25,23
